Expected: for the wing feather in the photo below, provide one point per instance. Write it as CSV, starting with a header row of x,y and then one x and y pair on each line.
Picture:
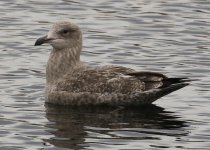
x,y
101,80
114,79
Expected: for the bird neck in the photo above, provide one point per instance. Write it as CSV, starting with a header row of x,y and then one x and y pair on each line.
x,y
61,62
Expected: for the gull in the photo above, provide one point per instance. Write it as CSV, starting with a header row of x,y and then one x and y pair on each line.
x,y
69,81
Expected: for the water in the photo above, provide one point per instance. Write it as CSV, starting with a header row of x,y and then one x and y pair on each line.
x,y
168,36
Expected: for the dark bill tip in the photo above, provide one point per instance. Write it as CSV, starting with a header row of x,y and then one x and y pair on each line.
x,y
41,40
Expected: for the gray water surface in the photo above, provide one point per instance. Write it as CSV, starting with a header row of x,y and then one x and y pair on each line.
x,y
171,37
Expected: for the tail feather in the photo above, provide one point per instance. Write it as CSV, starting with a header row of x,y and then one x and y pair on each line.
x,y
174,87
152,95
171,81
158,93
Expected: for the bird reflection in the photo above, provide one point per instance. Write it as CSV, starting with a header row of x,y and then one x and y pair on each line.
x,y
70,126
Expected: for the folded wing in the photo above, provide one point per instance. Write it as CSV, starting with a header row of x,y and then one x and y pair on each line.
x,y
115,80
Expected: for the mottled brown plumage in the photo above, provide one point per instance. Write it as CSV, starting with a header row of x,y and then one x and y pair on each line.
x,y
70,82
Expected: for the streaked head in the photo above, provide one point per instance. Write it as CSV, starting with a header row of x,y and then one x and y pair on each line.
x,y
62,35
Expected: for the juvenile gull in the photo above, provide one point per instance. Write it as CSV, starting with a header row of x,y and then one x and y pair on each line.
x,y
70,82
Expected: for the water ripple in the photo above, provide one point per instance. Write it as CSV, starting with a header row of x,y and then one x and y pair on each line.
x,y
167,36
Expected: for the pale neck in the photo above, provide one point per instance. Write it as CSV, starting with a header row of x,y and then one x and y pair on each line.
x,y
61,62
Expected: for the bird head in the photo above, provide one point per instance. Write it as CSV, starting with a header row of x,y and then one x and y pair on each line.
x,y
62,35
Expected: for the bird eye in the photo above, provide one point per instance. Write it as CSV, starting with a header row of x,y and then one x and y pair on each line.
x,y
64,31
